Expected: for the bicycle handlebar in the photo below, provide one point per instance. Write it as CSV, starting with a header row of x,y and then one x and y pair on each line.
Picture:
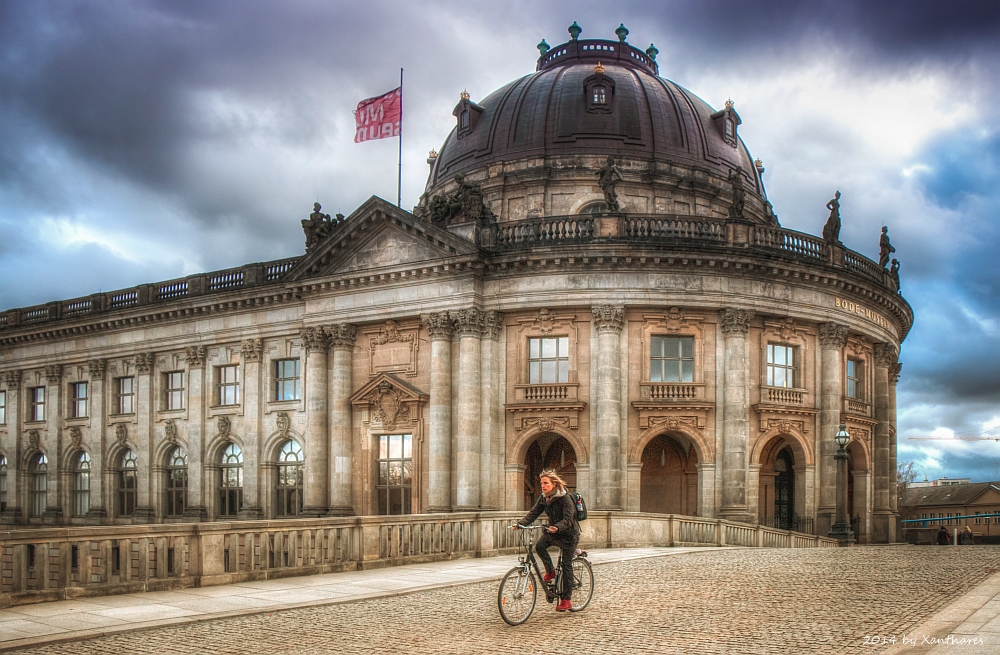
x,y
527,527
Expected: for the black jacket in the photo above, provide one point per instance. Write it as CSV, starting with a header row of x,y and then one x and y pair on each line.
x,y
562,514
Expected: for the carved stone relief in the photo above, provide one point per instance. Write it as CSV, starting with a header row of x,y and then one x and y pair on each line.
x,y
195,356
75,438
34,439
53,373
170,431
387,406
121,434
735,322
393,348
12,379
251,349
283,423
224,427
143,362
609,318
832,335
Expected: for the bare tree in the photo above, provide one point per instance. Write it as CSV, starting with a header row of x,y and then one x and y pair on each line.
x,y
906,473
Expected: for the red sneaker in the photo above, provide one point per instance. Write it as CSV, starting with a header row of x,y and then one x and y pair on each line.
x,y
549,577
564,606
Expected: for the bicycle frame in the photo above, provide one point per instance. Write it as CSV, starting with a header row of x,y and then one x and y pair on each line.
x,y
552,588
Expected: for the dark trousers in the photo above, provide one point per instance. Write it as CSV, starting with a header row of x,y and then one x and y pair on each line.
x,y
568,550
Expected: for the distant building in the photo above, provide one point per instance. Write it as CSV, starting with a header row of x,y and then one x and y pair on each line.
x,y
941,504
940,482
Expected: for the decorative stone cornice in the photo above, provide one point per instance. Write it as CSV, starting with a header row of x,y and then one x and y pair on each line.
x,y
195,356
342,335
251,349
97,367
143,362
832,336
492,324
467,322
12,379
894,373
53,373
314,339
735,322
609,318
438,325
885,354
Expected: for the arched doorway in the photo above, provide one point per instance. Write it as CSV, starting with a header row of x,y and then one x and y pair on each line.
x,y
669,482
548,451
784,489
776,502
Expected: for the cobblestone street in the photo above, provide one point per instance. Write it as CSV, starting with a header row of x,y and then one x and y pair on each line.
x,y
720,601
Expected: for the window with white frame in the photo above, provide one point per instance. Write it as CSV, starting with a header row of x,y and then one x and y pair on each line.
x,y
671,359
78,399
36,398
3,407
548,360
126,483
173,390
855,380
81,484
3,483
39,484
286,379
177,482
781,365
394,474
227,384
125,395
231,481
290,474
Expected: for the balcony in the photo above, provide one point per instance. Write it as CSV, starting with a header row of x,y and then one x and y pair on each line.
x,y
857,407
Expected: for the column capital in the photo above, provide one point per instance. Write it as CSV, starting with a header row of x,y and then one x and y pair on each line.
x,y
885,354
143,362
96,367
252,349
12,379
195,356
438,325
492,324
894,373
609,318
467,322
314,339
735,322
832,336
53,373
341,335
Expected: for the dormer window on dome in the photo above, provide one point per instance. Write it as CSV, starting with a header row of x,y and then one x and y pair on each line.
x,y
467,113
599,90
727,120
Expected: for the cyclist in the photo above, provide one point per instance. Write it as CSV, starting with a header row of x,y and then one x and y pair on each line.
x,y
563,532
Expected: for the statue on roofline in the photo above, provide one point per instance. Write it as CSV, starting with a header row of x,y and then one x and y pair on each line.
x,y
467,201
884,248
894,272
318,226
739,194
607,178
831,231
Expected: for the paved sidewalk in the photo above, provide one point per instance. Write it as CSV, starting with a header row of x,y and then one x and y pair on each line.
x,y
70,620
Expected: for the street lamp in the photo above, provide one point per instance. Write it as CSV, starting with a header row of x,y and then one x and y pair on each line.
x,y
841,530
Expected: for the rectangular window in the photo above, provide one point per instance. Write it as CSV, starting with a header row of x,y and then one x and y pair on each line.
x,y
227,385
548,360
3,407
855,381
671,359
780,366
394,473
977,518
286,379
36,396
78,400
126,395
173,390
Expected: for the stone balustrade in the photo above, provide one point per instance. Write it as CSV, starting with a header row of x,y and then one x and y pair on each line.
x,y
671,391
783,396
59,563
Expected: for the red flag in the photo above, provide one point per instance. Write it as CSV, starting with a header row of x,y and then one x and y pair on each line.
x,y
379,117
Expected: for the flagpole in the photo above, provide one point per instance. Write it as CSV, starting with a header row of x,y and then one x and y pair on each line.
x,y
399,175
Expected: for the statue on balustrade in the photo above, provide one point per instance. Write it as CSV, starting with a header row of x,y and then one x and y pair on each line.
x,y
831,231
608,178
884,248
894,272
739,194
466,202
318,226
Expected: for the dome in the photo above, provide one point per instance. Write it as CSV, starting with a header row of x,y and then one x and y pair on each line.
x,y
595,98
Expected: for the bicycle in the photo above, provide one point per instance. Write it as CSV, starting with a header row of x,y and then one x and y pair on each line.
x,y
519,590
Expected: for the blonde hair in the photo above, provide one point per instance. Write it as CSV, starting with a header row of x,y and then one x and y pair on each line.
x,y
553,477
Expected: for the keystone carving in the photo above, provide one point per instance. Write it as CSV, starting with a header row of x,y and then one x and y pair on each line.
x,y
609,318
12,379
195,356
97,367
735,322
832,336
894,373
387,406
53,373
283,423
75,438
143,362
343,335
170,431
315,340
34,438
121,434
251,349
438,325
885,354
543,321
224,427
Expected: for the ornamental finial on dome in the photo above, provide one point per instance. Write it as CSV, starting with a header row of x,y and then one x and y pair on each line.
x,y
464,95
543,47
759,165
652,51
729,103
574,31
599,68
622,32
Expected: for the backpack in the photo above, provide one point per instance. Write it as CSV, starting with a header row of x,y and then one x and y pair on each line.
x,y
581,506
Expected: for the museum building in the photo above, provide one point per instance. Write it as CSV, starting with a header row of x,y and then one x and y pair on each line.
x,y
592,281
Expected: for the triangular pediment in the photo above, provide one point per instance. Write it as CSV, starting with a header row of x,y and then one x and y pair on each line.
x,y
384,383
389,402
379,236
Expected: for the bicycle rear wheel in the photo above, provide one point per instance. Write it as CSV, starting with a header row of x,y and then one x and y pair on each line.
x,y
517,595
583,584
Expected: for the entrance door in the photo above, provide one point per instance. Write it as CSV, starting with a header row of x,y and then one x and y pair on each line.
x,y
549,451
784,485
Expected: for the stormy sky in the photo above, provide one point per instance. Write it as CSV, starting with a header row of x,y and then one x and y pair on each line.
x,y
142,141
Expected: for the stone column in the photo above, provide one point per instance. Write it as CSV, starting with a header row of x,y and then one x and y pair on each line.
x,y
144,511
316,492
13,513
95,443
197,475
706,490
893,438
609,321
53,418
832,338
342,338
439,414
883,526
468,431
491,406
253,478
735,326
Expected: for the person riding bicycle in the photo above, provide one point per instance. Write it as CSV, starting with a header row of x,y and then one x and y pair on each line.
x,y
563,531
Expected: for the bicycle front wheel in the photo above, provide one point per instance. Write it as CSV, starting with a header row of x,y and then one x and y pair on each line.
x,y
517,595
583,584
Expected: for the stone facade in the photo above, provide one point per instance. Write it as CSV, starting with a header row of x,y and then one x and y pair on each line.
x,y
420,365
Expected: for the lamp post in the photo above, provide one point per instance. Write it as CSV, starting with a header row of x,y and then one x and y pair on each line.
x,y
841,530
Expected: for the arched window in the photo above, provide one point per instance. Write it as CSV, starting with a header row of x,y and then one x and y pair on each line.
x,y
177,482
289,485
126,478
3,483
39,484
231,481
599,207
81,484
